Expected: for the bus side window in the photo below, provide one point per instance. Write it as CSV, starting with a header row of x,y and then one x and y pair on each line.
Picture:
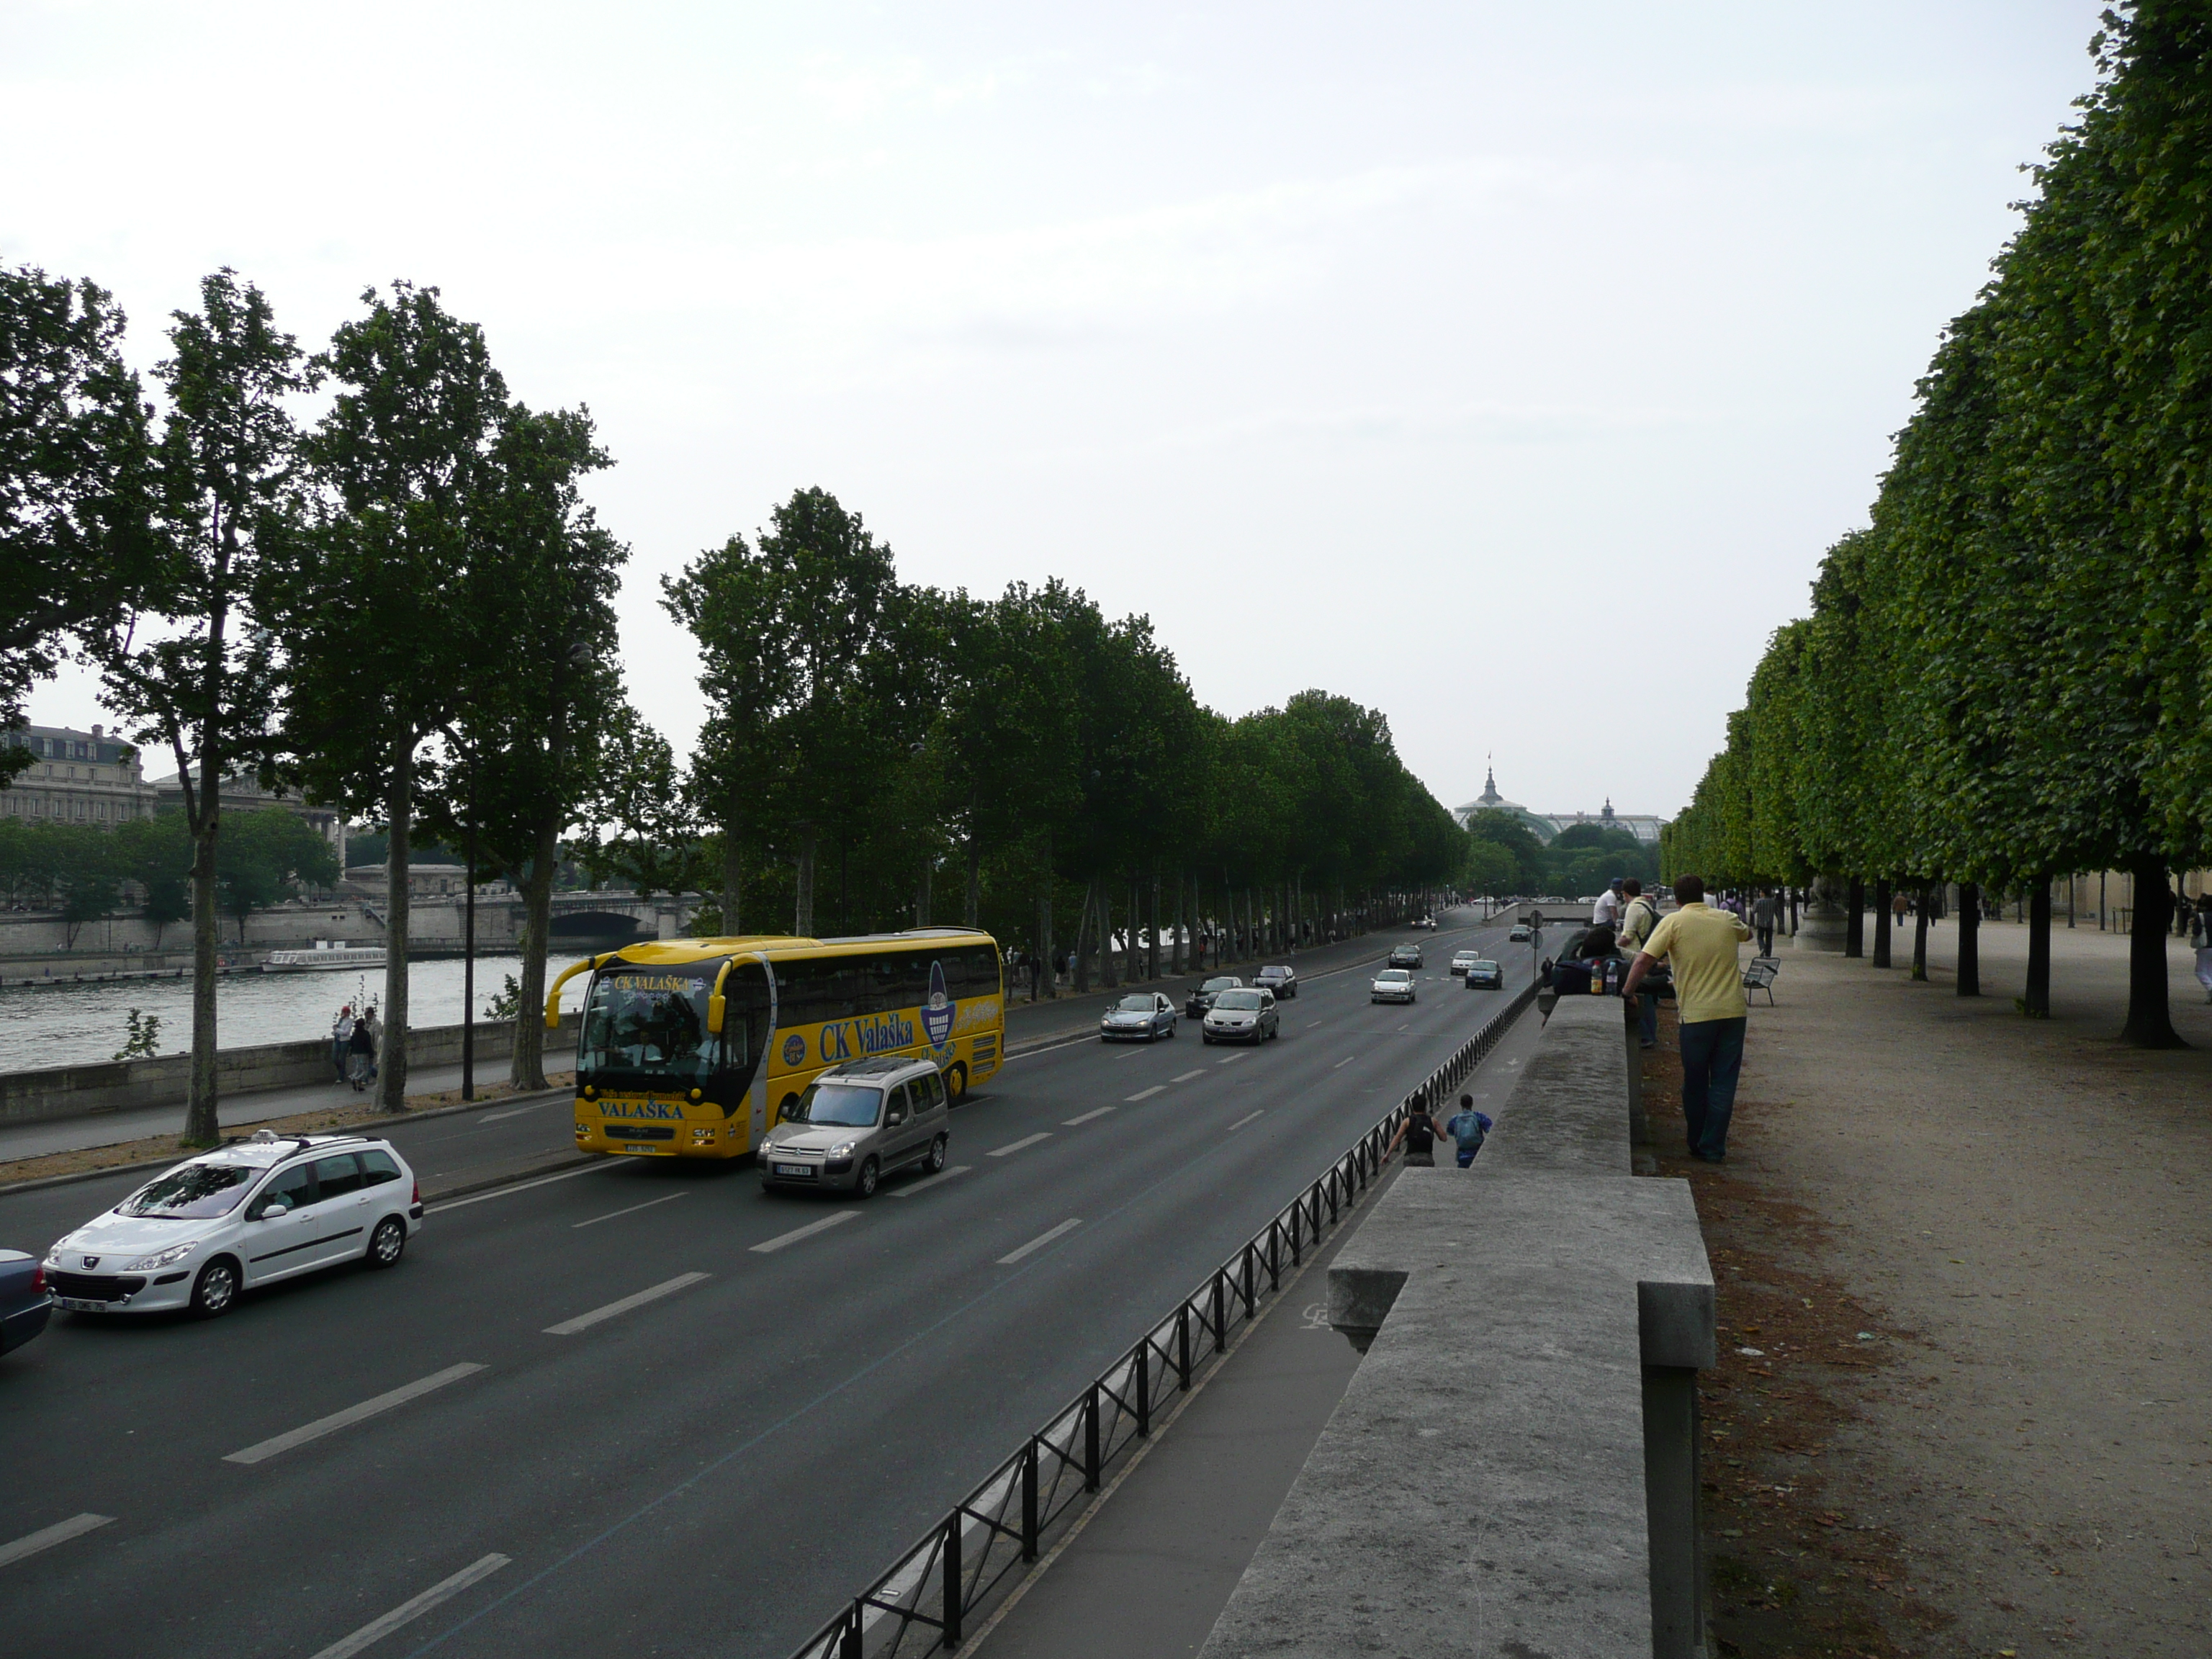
x,y
980,975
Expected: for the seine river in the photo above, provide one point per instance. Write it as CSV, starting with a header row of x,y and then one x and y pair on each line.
x,y
66,1025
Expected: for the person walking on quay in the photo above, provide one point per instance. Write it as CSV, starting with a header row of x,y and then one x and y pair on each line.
x,y
341,1035
1419,1132
1469,1129
1637,922
361,1055
1699,944
1765,912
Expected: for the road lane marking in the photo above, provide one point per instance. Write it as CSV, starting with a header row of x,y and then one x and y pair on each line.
x,y
1187,1076
261,1451
1228,1059
516,1111
1098,1111
1246,1119
1345,1061
784,1241
668,1286
667,1198
519,1187
46,1537
1147,1094
927,1181
1040,1240
1015,1146
1311,1024
1129,1053
444,1590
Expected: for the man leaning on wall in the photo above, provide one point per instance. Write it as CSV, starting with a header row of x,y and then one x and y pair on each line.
x,y
1699,944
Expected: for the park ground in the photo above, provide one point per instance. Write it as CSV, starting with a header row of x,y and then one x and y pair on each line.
x,y
1963,1405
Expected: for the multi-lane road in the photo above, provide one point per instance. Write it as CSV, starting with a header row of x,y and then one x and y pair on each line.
x,y
646,1408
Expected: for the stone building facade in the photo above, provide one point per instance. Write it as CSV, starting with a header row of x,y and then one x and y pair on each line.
x,y
85,778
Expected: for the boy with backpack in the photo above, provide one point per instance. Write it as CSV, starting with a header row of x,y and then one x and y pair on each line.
x,y
1467,1129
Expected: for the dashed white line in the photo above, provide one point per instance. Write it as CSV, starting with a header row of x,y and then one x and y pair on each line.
x,y
1345,1061
1228,1060
1246,1119
669,1197
1017,1145
519,1187
1040,1240
516,1111
927,1181
261,1451
46,1537
1187,1076
1147,1094
651,1293
444,1590
783,1241
1095,1111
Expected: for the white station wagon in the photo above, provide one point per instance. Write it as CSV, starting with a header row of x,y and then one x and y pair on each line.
x,y
248,1213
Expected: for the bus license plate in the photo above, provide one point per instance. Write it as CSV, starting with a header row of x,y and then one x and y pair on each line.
x,y
795,1168
640,1146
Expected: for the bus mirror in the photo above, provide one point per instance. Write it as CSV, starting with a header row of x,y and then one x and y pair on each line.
x,y
553,1019
717,1005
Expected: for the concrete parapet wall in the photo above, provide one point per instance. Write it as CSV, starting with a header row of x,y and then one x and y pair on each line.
x,y
83,1090
1513,1470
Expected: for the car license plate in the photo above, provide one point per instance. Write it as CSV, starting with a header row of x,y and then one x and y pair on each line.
x,y
78,1305
795,1168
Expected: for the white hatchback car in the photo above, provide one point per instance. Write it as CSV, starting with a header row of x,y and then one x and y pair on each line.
x,y
255,1210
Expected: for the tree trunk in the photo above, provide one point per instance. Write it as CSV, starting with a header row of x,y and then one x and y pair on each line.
x,y
1179,957
1970,940
1044,923
1152,945
2036,1004
1855,928
2150,1022
1082,985
802,921
201,1127
1920,933
1881,923
1110,968
399,808
527,1068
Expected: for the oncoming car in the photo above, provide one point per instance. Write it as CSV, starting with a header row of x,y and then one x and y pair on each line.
x,y
1142,1014
1283,981
1519,935
856,1124
1242,1016
1202,998
268,1207
1392,985
1405,956
1461,960
1485,975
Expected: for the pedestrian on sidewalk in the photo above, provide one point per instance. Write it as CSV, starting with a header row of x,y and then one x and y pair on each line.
x,y
1765,912
375,1042
1637,922
1898,904
1419,1133
1469,1129
341,1035
1606,913
1699,944
361,1057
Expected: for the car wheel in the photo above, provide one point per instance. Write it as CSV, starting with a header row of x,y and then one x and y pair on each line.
x,y
385,1244
1171,1029
864,1184
215,1289
1206,1037
935,1161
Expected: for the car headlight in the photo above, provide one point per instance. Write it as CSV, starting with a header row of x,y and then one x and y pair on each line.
x,y
169,1257
842,1149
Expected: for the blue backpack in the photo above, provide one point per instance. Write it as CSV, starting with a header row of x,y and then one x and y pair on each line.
x,y
1469,1129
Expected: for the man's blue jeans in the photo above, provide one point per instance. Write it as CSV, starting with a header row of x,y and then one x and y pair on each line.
x,y
1713,1054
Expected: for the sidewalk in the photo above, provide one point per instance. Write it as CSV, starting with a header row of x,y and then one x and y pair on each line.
x,y
1965,1311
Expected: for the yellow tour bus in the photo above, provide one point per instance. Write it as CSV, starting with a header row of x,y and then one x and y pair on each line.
x,y
694,1048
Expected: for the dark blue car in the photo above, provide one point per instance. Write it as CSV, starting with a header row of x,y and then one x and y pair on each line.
x,y
24,1305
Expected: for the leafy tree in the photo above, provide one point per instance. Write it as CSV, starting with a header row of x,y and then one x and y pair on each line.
x,y
268,856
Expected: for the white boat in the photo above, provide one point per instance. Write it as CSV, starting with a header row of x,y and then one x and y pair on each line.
x,y
328,955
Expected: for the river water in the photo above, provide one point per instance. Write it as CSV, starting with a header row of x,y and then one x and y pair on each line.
x,y
67,1024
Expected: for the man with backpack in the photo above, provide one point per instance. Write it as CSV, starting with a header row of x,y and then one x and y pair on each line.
x,y
1467,1129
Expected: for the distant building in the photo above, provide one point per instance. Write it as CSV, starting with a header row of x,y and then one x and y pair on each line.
x,y
423,880
243,793
78,777
1547,826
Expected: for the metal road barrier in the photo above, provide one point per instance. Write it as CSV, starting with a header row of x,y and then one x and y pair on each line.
x,y
941,1586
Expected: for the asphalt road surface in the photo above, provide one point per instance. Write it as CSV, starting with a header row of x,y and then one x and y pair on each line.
x,y
644,1408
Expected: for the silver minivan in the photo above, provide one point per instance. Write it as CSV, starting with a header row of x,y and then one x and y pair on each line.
x,y
856,1124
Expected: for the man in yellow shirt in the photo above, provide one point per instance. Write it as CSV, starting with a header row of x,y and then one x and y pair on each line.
x,y
1701,942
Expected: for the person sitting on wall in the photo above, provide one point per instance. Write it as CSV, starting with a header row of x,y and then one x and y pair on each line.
x,y
1596,969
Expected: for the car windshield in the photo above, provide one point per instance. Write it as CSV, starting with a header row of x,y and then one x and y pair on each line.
x,y
839,1105
1274,973
193,1192
1244,999
1394,975
1228,984
1134,1005
1487,967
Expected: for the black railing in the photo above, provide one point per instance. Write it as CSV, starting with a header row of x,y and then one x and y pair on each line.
x,y
932,1595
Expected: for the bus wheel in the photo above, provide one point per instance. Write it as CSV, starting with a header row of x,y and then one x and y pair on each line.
x,y
956,1084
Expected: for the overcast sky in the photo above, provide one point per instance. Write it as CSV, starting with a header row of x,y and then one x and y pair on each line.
x,y
1507,367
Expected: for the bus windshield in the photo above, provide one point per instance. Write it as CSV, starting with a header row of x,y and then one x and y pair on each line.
x,y
645,1028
